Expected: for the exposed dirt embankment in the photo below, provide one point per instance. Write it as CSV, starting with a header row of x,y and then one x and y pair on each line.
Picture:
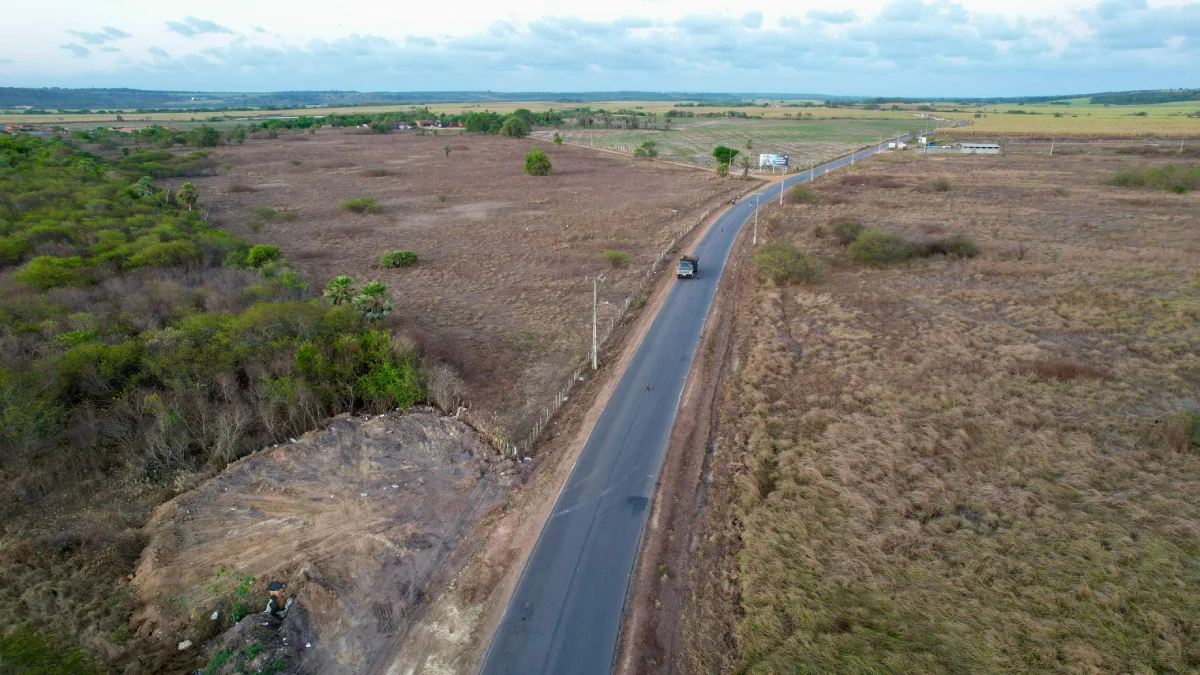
x,y
365,521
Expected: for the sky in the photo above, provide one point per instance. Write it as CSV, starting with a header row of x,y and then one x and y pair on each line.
x,y
856,47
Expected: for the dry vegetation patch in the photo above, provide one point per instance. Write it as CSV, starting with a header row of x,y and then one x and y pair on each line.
x,y
971,465
500,294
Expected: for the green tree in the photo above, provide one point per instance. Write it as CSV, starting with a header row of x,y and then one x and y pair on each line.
x,y
537,163
724,156
206,137
446,149
373,301
187,195
558,139
648,150
515,127
239,135
341,290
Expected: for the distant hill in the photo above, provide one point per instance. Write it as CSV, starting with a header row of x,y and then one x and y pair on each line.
x,y
1146,97
53,98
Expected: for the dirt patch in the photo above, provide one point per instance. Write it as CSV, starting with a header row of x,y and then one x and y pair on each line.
x,y
499,292
366,521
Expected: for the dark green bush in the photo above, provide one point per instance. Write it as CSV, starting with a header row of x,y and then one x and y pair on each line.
x,y
1170,177
262,254
166,254
25,650
783,262
846,230
954,246
13,250
361,205
399,259
802,195
616,258
47,272
876,248
537,163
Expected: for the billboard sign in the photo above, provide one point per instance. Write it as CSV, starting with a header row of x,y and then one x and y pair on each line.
x,y
772,160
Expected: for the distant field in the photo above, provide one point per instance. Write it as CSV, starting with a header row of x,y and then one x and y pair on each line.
x,y
804,141
228,119
1083,119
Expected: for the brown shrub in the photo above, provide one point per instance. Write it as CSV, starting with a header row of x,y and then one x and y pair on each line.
x,y
884,182
238,188
374,173
1060,369
1177,431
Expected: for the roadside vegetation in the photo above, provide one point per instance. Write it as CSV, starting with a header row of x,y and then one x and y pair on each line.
x,y
140,349
1169,177
984,463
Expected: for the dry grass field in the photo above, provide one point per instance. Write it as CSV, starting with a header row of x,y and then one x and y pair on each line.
x,y
983,465
499,292
1165,120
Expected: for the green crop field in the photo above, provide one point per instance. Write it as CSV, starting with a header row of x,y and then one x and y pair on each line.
x,y
804,142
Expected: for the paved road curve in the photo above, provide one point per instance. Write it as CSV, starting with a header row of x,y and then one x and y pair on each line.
x,y
565,613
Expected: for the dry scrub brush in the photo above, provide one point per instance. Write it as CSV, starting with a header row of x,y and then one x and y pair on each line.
x,y
986,465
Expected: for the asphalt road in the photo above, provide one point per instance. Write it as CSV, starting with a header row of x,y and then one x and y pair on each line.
x,y
565,614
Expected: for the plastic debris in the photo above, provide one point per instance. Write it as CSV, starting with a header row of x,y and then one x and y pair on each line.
x,y
292,440
185,644
215,615
307,645
362,494
395,486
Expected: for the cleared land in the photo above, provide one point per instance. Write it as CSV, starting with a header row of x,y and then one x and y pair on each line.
x,y
366,521
964,465
499,292
692,141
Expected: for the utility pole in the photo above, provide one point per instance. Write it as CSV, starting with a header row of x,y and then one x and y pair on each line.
x,y
595,333
1051,147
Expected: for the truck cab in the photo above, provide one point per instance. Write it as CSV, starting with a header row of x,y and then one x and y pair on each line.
x,y
689,267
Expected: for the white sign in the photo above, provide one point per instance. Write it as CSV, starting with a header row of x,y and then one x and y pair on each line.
x,y
772,160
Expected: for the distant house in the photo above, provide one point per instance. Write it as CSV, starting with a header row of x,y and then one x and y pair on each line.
x,y
402,126
426,124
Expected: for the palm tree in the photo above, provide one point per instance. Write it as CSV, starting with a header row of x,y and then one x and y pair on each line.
x,y
340,291
374,301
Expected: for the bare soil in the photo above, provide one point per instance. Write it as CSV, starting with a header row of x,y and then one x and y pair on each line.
x,y
950,465
499,292
366,521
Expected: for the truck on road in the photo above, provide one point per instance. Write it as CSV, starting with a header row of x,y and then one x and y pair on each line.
x,y
689,267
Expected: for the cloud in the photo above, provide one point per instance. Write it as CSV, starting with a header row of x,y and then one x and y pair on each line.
x,y
77,51
109,49
957,51
106,34
826,16
258,29
191,27
6,60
